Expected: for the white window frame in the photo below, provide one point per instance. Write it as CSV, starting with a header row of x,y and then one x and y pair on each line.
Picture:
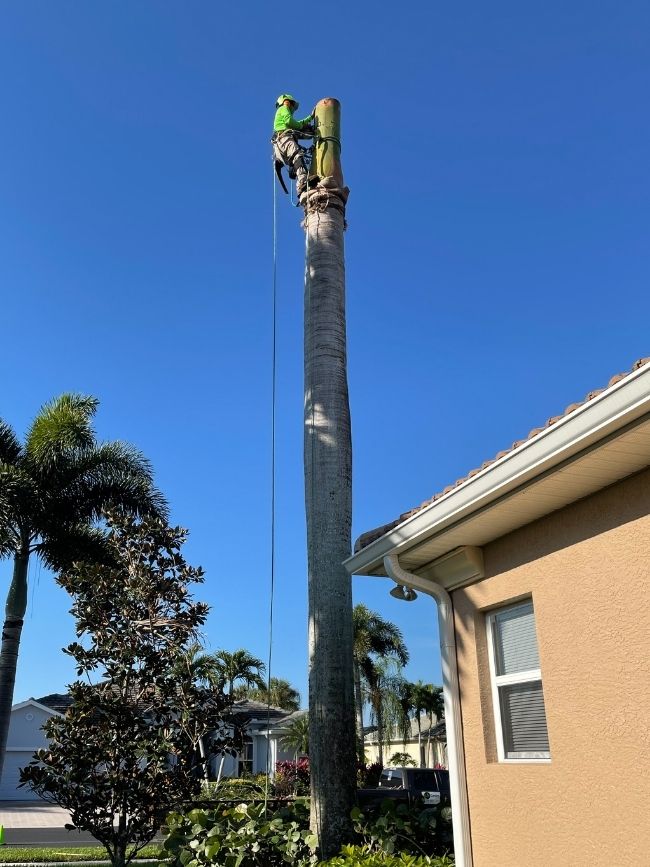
x,y
497,680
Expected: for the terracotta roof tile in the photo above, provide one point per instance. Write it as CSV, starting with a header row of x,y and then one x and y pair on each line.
x,y
367,538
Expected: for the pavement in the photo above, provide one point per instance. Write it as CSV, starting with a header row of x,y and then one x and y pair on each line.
x,y
29,823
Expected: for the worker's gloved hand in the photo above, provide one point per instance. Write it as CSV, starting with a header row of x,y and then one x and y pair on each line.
x,y
308,128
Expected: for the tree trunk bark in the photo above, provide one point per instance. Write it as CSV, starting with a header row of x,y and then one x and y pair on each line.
x,y
380,733
358,698
11,631
328,497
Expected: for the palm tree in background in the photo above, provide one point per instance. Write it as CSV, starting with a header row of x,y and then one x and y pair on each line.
x,y
374,639
54,489
384,686
240,665
198,667
296,736
281,694
417,699
435,710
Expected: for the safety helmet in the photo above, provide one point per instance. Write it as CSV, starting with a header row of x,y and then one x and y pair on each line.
x,y
282,98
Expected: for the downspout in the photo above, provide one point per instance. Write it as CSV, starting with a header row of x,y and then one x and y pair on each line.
x,y
451,695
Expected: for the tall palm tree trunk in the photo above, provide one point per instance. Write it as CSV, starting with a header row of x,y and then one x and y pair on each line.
x,y
328,495
358,702
380,733
13,626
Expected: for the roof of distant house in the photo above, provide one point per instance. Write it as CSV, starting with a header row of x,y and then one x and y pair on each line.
x,y
57,701
367,538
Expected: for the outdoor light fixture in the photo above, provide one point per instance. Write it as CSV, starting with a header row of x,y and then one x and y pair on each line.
x,y
399,591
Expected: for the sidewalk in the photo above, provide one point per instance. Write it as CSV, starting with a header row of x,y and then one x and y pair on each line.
x,y
32,814
35,823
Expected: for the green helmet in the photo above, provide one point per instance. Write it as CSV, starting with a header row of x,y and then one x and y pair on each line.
x,y
282,98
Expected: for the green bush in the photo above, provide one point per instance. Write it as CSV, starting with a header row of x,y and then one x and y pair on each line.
x,y
398,828
235,789
240,836
351,856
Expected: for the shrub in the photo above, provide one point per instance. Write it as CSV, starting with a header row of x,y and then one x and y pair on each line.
x,y
368,775
351,856
397,827
240,836
292,778
235,789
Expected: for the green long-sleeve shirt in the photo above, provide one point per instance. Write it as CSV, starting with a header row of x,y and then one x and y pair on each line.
x,y
284,120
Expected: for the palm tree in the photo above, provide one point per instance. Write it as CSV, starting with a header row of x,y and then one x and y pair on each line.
x,y
197,667
422,698
54,489
374,638
328,494
384,687
435,710
296,736
281,694
238,666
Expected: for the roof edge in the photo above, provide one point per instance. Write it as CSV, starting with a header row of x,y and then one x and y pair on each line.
x,y
624,401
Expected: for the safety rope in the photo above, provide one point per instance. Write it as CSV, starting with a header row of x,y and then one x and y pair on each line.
x,y
272,552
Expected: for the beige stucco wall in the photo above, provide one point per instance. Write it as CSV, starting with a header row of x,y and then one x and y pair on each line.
x,y
587,569
435,754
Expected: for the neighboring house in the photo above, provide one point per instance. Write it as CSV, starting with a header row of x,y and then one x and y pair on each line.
x,y
539,561
252,718
262,729
428,751
25,737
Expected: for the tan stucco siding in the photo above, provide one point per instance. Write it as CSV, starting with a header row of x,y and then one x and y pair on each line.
x,y
586,568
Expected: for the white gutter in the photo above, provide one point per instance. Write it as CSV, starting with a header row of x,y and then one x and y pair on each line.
x,y
617,406
451,695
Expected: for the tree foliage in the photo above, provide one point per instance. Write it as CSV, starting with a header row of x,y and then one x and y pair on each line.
x,y
377,643
54,488
125,753
296,735
240,665
281,694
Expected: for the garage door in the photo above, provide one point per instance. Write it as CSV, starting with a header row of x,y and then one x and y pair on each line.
x,y
11,777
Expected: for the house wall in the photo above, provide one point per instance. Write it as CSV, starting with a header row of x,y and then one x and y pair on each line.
x,y
586,567
436,755
25,727
25,736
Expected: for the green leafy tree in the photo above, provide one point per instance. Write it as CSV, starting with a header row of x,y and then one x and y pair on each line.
x,y
238,666
374,639
401,760
54,488
124,754
296,735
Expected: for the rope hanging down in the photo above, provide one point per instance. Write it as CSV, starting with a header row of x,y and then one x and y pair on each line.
x,y
272,553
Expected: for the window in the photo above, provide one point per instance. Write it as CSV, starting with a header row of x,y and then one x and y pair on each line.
x,y
245,767
520,717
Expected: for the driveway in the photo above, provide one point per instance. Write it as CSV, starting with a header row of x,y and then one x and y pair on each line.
x,y
29,823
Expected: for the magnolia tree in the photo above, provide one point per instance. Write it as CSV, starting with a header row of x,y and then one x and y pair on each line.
x,y
126,752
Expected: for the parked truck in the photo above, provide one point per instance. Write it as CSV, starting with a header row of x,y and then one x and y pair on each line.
x,y
427,787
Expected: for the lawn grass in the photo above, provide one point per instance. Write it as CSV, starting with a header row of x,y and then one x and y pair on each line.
x,y
67,854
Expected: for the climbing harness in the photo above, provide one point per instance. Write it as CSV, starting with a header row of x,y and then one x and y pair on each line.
x,y
306,154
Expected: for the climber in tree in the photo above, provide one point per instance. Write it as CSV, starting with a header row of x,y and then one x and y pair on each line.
x,y
286,133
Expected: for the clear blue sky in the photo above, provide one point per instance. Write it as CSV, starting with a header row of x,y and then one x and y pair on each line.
x,y
497,257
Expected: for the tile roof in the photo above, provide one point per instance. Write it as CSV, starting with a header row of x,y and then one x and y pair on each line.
x,y
56,700
372,535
